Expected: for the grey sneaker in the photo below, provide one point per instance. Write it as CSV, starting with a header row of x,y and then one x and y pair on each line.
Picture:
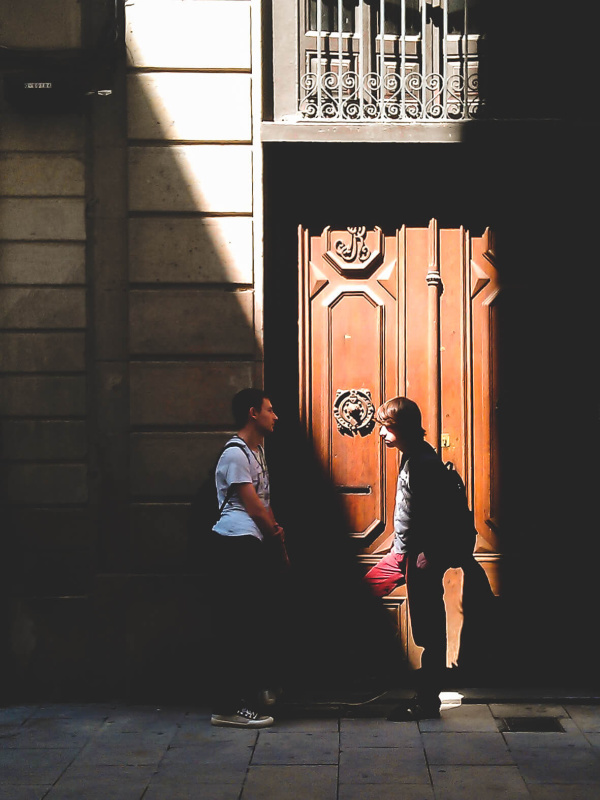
x,y
243,718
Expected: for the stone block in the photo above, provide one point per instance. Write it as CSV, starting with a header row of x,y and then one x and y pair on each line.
x,y
41,175
50,262
186,394
212,178
42,352
52,219
159,537
213,34
152,636
46,484
110,329
204,250
52,550
32,307
177,322
40,132
52,528
44,396
49,647
209,107
172,465
43,24
44,440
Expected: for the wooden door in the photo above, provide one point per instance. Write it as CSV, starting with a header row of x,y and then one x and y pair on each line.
x,y
412,312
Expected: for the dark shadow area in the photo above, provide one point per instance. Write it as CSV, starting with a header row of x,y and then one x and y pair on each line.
x,y
536,62
339,637
528,188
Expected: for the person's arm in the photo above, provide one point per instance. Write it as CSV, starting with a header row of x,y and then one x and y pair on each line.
x,y
427,485
260,514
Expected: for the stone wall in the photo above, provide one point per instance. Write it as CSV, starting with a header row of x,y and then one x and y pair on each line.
x,y
128,318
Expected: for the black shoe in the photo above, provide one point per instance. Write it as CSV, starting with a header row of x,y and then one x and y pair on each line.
x,y
413,712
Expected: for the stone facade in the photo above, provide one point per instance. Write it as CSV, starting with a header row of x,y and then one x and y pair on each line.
x,y
133,280
129,233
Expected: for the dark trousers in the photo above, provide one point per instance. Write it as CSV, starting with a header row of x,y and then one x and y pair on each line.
x,y
242,591
425,589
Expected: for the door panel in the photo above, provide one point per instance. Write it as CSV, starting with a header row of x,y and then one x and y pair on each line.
x,y
414,312
349,362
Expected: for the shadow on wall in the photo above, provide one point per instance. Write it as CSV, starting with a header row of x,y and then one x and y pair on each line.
x,y
546,339
192,346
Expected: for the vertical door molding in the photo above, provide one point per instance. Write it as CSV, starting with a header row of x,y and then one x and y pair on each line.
x,y
485,297
434,284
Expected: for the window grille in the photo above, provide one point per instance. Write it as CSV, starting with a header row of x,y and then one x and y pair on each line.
x,y
390,60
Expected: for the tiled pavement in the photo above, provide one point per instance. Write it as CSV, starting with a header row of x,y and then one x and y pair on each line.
x,y
319,752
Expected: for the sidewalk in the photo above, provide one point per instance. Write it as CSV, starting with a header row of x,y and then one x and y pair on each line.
x,y
328,751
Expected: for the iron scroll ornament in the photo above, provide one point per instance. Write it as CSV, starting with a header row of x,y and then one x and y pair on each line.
x,y
354,412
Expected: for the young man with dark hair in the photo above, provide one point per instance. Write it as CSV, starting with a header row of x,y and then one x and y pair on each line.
x,y
243,576
422,549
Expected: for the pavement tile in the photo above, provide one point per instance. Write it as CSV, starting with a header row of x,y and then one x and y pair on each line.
x,y
131,754
216,762
91,712
475,748
23,792
383,765
213,751
593,739
51,733
586,717
378,733
190,734
102,783
559,765
200,773
489,782
385,791
292,719
563,792
149,720
464,718
29,767
296,747
291,783
527,710
15,715
193,791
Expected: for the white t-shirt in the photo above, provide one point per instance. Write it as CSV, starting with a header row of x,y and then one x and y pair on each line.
x,y
238,466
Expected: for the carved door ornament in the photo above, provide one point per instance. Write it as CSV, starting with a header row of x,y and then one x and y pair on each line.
x,y
354,412
357,248
357,253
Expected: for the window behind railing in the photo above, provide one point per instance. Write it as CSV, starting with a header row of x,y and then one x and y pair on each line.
x,y
390,60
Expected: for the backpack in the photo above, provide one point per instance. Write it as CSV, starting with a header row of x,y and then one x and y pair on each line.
x,y
204,510
460,522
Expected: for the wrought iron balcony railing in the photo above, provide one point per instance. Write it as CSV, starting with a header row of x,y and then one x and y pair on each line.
x,y
393,60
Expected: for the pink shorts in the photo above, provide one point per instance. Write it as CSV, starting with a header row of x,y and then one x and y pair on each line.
x,y
389,573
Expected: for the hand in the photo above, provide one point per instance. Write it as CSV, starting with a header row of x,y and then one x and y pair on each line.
x,y
422,562
279,536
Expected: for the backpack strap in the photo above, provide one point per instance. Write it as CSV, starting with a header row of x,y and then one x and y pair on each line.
x,y
230,489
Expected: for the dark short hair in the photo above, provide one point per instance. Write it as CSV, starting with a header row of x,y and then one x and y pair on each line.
x,y
243,402
403,415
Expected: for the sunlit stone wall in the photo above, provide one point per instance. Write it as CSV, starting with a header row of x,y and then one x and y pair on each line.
x,y
130,313
193,338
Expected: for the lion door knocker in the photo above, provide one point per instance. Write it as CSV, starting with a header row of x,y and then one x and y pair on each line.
x,y
354,412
